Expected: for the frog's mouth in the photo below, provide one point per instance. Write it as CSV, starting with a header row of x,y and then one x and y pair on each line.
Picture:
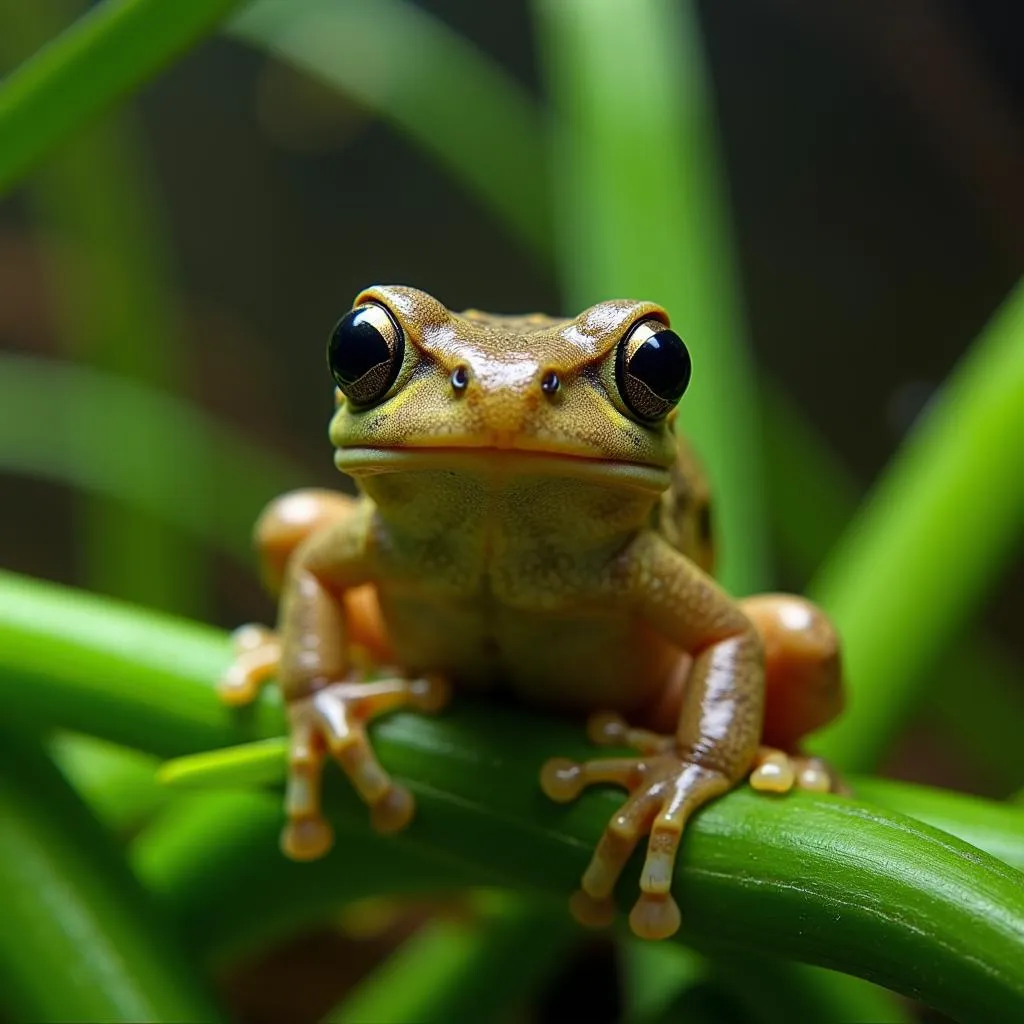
x,y
497,459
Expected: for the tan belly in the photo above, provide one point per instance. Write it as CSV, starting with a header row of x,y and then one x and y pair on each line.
x,y
578,659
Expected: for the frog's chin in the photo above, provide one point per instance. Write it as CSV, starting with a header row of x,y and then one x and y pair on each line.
x,y
490,461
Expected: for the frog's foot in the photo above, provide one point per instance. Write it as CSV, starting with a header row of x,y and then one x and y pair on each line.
x,y
333,720
665,789
257,653
775,771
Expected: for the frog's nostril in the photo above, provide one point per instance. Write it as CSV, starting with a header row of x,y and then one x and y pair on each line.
x,y
460,379
550,383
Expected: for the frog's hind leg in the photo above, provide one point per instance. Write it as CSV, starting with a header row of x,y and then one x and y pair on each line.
x,y
804,690
282,526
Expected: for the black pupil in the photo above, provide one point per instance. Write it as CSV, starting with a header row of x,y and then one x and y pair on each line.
x,y
662,362
356,347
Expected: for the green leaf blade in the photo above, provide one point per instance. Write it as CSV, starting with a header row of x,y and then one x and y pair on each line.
x,y
79,940
641,213
109,52
935,533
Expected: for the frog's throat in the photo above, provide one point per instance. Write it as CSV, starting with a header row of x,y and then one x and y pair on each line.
x,y
489,461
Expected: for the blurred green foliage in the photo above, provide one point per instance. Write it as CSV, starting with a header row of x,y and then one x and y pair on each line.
x,y
845,885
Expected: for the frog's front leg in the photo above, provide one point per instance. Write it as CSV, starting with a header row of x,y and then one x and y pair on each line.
x,y
714,745
286,522
329,701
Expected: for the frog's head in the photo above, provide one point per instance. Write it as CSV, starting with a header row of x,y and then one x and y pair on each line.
x,y
418,384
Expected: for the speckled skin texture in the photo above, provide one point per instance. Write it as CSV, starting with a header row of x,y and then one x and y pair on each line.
x,y
541,541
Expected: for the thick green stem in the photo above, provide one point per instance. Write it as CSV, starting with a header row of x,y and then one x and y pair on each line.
x,y
815,878
136,678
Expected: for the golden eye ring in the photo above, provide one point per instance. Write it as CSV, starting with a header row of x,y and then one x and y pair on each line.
x,y
364,353
652,370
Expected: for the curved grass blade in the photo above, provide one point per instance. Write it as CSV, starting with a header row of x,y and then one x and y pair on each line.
x,y
936,531
996,828
103,254
213,487
109,52
248,764
190,859
119,785
976,700
642,214
79,939
430,83
450,971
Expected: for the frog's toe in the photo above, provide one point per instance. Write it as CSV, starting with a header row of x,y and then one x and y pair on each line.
x,y
393,811
306,838
665,789
590,912
333,720
775,771
257,655
610,729
345,706
655,917
252,636
814,774
613,850
429,693
563,780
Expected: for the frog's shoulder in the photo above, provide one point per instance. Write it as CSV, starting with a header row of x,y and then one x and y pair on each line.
x,y
684,515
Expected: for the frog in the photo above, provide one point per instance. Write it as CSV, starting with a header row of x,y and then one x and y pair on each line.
x,y
529,521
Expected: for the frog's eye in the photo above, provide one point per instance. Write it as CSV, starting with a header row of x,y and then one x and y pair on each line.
x,y
365,353
652,369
